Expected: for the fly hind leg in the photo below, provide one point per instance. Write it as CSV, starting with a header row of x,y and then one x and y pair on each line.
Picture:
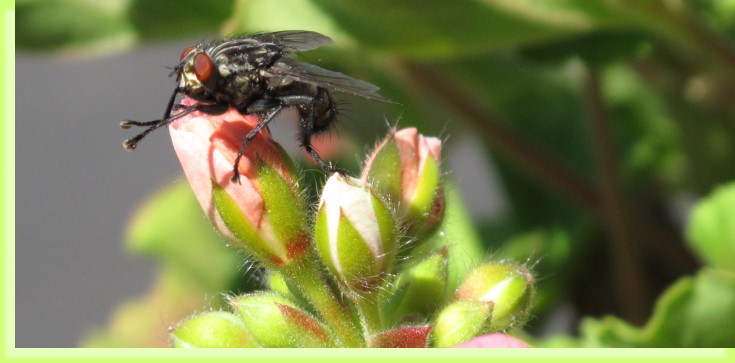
x,y
309,129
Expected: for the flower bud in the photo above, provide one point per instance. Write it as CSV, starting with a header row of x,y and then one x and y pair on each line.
x,y
405,166
264,213
461,321
355,233
420,289
406,337
277,322
214,329
508,287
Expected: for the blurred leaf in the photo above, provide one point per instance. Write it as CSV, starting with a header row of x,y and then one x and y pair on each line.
x,y
274,15
172,227
545,107
418,28
59,24
720,15
197,269
648,141
144,322
696,312
171,19
711,229
595,48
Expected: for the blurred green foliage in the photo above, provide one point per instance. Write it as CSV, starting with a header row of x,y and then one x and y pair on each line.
x,y
518,75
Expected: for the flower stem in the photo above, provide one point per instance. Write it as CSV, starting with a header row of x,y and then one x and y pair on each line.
x,y
307,278
368,308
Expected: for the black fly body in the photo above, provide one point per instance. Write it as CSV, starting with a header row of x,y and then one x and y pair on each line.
x,y
254,75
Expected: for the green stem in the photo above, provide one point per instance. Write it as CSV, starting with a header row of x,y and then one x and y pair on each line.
x,y
369,310
307,278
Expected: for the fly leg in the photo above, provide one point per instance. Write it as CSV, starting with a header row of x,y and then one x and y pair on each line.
x,y
250,136
305,139
308,129
132,143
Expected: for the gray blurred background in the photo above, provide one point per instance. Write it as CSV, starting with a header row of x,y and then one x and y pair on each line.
x,y
76,187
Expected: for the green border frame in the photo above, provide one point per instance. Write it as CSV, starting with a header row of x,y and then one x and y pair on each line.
x,y
8,352
7,79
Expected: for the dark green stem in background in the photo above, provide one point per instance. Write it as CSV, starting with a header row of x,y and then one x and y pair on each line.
x,y
506,141
624,241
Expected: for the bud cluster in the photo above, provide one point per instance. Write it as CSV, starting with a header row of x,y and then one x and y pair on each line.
x,y
338,273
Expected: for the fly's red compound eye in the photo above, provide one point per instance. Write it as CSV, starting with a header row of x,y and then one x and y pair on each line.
x,y
202,66
186,52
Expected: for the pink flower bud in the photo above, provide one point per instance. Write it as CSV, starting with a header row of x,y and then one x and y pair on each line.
x,y
494,340
405,166
263,213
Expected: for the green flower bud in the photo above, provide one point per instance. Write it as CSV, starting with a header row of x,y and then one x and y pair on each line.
x,y
277,322
461,321
420,289
509,287
355,233
405,166
214,329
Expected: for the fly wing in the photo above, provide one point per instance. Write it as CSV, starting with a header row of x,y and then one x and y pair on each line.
x,y
318,76
288,41
294,40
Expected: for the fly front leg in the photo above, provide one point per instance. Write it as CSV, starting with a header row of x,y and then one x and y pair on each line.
x,y
251,135
132,143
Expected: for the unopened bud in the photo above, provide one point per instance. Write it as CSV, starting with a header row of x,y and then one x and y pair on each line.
x,y
461,321
214,329
355,233
508,287
263,213
406,337
405,166
277,322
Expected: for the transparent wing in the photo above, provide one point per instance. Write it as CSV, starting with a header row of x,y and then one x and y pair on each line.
x,y
294,40
309,73
290,40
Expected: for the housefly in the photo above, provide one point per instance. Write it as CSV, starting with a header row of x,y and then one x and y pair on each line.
x,y
256,75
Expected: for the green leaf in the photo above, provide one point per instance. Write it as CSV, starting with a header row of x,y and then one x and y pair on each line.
x,y
711,231
172,227
696,312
